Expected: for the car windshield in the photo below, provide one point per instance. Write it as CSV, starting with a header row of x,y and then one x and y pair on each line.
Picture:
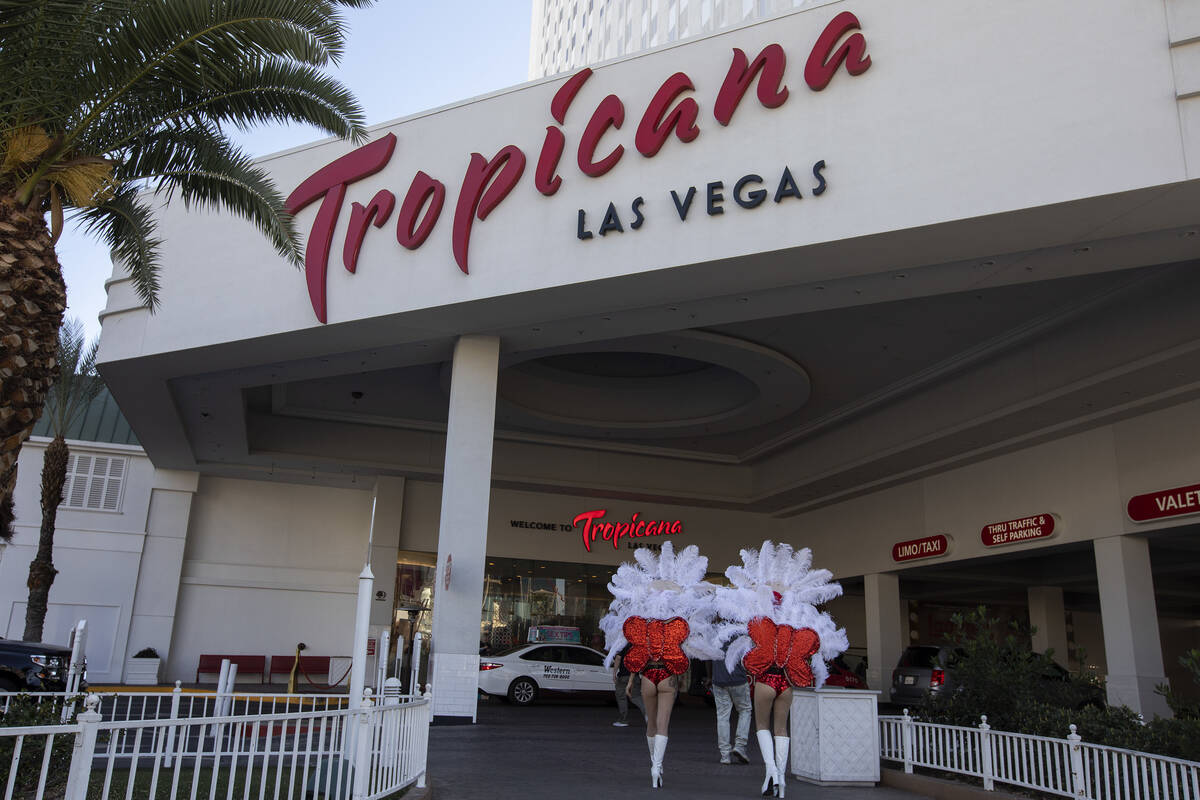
x,y
920,657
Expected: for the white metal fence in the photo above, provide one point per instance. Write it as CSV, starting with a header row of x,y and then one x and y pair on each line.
x,y
336,753
1068,767
137,706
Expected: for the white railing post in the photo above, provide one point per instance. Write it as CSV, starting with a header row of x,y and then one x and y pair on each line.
x,y
382,648
176,693
80,771
362,747
1077,773
423,732
985,753
414,685
906,741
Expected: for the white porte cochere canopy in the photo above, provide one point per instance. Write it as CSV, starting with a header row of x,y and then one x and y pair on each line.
x,y
868,277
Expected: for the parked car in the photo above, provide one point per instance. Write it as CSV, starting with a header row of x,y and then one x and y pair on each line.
x,y
928,669
524,673
33,667
841,675
921,670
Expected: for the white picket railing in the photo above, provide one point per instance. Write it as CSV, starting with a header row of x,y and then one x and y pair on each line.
x,y
340,753
1069,767
136,706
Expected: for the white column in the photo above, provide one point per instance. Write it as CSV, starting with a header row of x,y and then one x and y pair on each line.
x,y
885,634
362,619
152,622
1048,616
462,532
1130,620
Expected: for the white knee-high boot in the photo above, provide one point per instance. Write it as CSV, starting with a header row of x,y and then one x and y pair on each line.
x,y
766,746
650,748
656,761
782,744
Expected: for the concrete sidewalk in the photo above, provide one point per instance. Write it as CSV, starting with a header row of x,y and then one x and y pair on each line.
x,y
572,752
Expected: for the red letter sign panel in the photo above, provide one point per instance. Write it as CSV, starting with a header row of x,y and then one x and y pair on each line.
x,y
1017,530
1165,503
927,547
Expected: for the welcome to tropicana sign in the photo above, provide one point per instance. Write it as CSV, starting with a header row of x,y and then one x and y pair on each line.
x,y
486,182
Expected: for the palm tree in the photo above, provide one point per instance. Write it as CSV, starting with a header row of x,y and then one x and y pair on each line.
x,y
103,101
70,394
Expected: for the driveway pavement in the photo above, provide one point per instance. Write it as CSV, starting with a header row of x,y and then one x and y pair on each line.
x,y
570,751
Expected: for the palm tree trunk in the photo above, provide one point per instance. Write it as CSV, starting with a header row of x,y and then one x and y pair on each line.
x,y
41,569
32,299
7,516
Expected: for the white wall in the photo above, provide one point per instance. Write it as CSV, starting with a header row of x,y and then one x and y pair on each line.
x,y
100,556
1047,116
268,565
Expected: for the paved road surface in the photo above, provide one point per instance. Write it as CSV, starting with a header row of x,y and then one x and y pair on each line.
x,y
570,751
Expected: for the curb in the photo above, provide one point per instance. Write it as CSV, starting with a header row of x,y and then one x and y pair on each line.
x,y
940,788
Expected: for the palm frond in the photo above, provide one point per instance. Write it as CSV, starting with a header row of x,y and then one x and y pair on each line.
x,y
126,224
263,91
135,83
205,168
77,383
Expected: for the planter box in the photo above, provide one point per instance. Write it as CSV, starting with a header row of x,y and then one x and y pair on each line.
x,y
141,671
835,736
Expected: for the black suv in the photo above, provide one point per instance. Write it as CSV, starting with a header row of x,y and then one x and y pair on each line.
x,y
33,667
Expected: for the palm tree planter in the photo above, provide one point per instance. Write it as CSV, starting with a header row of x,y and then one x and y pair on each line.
x,y
141,669
104,101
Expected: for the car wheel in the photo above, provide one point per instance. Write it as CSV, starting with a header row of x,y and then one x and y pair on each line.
x,y
9,685
522,692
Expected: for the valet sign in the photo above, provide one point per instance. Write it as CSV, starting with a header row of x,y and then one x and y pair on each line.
x,y
674,112
1166,503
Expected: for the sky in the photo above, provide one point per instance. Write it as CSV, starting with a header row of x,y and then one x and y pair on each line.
x,y
401,57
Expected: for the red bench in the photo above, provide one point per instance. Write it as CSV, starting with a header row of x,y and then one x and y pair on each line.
x,y
313,665
247,665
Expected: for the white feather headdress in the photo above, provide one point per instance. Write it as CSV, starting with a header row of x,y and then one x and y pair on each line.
x,y
751,593
661,586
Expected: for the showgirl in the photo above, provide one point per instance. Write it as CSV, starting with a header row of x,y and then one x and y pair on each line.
x,y
663,610
772,625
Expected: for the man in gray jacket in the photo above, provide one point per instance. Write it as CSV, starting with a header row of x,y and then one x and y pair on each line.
x,y
730,690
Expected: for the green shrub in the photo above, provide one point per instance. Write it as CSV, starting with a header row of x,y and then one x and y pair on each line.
x,y
1181,708
22,712
996,673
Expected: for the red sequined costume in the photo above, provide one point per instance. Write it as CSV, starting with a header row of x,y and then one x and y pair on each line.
x,y
781,655
656,650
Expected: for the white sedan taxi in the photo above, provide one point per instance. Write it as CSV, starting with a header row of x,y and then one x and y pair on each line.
x,y
523,673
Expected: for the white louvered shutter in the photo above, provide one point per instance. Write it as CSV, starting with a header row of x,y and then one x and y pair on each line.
x,y
94,482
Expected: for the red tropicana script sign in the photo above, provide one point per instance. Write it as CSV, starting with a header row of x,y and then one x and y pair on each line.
x,y
1017,530
925,547
1165,503
613,532
486,182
